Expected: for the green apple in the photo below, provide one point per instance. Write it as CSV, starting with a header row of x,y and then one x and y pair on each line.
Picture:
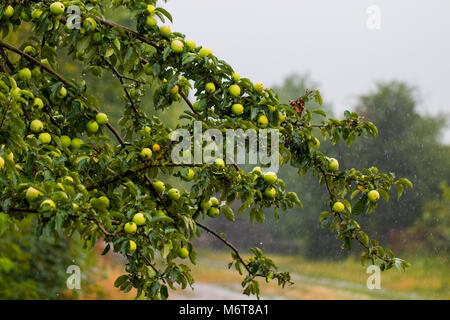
x,y
148,129
270,192
235,90
92,126
373,196
257,170
36,126
48,204
80,55
46,63
338,207
32,194
151,22
183,253
160,213
62,93
259,87
45,137
2,163
236,77
76,143
159,186
214,201
36,14
25,74
24,15
205,52
189,175
146,153
263,121
213,212
281,116
103,200
89,24
219,163
36,72
174,194
30,50
38,103
9,12
333,164
16,92
196,107
270,177
150,9
191,44
101,118
60,196
57,8
139,219
132,246
205,205
130,227
237,109
165,30
210,87
177,46
97,37
10,157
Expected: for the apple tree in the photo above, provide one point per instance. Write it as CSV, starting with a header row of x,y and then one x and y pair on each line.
x,y
66,164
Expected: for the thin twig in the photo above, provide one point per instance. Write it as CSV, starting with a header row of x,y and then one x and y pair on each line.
x,y
5,111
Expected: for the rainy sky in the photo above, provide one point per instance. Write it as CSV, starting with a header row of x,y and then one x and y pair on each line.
x,y
346,46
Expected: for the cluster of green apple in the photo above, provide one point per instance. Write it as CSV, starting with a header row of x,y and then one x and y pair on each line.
x,y
178,46
140,220
173,193
372,195
270,179
211,207
93,125
56,9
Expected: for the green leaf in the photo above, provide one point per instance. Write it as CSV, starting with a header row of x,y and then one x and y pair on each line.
x,y
364,237
323,215
120,280
354,193
406,182
359,207
228,213
347,205
399,189
319,112
384,194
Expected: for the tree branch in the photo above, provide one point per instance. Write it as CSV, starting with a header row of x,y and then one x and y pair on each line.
x,y
5,111
135,170
60,78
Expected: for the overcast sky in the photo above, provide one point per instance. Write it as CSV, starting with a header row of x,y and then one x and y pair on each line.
x,y
268,40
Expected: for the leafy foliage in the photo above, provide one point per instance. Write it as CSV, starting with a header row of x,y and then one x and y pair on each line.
x,y
97,184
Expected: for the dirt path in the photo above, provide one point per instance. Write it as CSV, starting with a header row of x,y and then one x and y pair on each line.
x,y
206,291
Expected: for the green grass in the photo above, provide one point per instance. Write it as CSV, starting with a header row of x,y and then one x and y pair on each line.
x,y
427,278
